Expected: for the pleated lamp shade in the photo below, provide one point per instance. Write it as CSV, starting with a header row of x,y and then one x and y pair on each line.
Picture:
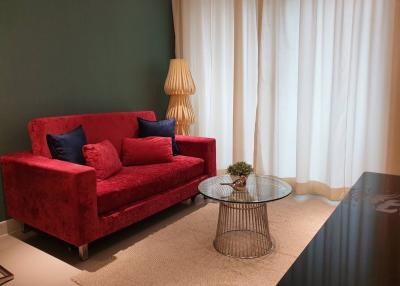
x,y
179,79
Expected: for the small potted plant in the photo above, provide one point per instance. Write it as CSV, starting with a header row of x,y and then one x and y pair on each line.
x,y
239,173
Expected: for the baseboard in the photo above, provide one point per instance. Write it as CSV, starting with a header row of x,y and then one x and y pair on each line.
x,y
10,226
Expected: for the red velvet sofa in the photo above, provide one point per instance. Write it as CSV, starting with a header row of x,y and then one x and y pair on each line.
x,y
65,200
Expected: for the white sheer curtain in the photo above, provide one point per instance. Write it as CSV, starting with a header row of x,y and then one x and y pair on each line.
x,y
299,88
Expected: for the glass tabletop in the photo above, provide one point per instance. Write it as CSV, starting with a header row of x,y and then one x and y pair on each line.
x,y
258,189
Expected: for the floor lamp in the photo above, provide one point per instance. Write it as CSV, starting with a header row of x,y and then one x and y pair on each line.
x,y
179,85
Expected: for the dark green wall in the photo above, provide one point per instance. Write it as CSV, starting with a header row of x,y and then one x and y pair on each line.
x,y
77,56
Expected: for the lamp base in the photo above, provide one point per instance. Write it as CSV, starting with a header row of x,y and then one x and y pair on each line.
x,y
180,108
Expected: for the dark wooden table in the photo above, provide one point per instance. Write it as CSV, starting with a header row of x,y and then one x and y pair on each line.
x,y
360,242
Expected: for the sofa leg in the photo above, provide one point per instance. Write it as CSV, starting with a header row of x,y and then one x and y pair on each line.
x,y
26,228
83,252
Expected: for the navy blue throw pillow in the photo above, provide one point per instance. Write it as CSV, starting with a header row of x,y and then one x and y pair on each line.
x,y
68,146
162,128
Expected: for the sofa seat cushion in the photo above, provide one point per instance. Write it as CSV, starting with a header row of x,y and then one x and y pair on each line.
x,y
135,183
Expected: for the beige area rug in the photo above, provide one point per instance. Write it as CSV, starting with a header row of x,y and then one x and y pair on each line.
x,y
182,253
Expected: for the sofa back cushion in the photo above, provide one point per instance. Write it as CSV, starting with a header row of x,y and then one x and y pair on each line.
x,y
113,126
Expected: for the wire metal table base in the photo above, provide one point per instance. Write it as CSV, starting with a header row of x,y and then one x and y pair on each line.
x,y
242,230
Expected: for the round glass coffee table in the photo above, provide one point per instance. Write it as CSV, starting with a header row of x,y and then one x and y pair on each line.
x,y
242,229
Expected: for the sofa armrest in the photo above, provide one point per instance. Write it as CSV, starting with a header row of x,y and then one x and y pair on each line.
x,y
200,147
54,196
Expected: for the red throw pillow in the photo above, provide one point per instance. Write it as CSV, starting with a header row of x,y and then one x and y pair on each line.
x,y
103,157
148,150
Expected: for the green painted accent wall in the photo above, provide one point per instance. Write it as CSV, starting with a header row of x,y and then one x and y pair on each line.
x,y
74,56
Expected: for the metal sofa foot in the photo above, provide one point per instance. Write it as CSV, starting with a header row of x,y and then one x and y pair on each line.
x,y
83,252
